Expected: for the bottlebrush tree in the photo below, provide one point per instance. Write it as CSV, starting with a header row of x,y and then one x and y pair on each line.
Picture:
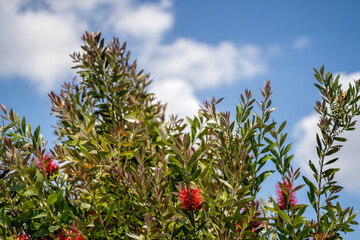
x,y
120,170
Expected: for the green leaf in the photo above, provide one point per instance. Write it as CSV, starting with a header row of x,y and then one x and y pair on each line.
x,y
28,130
83,205
195,156
64,179
282,229
287,149
37,131
30,204
264,175
29,193
340,139
32,171
132,118
284,216
110,213
332,151
311,185
5,219
226,203
90,125
128,153
312,166
53,228
281,126
195,174
52,199
15,188
268,148
134,236
305,231
330,171
331,161
41,215
23,124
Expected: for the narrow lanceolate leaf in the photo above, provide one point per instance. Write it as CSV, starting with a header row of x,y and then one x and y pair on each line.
x,y
52,199
134,236
90,125
264,175
37,131
5,219
282,127
110,213
41,215
284,216
312,166
17,187
305,231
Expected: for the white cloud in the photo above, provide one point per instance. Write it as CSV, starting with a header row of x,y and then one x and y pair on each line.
x,y
147,22
39,38
204,65
301,42
179,95
37,41
345,78
349,164
36,44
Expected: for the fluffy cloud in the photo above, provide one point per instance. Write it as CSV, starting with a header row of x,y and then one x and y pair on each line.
x,y
32,47
345,78
305,133
204,65
195,65
40,35
147,22
179,95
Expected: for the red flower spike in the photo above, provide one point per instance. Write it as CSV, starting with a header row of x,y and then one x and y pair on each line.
x,y
50,165
24,236
281,196
190,199
76,237
62,236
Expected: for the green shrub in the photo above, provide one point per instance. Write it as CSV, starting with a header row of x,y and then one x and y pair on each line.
x,y
120,170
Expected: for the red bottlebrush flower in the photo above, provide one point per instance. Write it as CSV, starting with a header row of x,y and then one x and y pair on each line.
x,y
76,237
281,197
24,236
190,199
91,213
50,165
62,236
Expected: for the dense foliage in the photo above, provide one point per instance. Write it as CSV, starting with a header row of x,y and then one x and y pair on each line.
x,y
120,170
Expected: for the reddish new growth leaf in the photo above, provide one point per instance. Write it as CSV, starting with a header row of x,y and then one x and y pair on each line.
x,y
320,237
282,197
190,199
253,224
50,165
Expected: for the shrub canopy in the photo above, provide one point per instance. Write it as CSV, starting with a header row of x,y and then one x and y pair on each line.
x,y
120,170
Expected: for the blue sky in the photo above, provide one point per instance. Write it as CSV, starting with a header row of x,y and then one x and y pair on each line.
x,y
194,50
